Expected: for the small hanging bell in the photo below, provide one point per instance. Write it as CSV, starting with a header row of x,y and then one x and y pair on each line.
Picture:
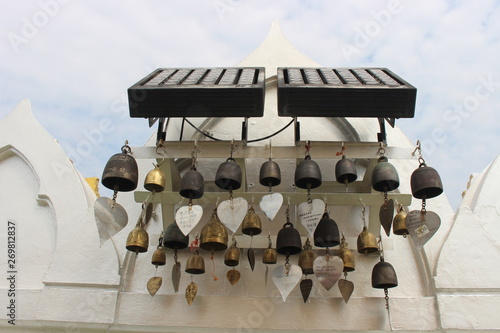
x,y
367,242
159,257
251,223
288,241
228,176
155,180
347,256
307,174
345,171
232,256
384,176
195,264
214,235
192,185
270,174
326,233
399,223
138,239
270,256
306,258
384,275
174,238
425,182
121,172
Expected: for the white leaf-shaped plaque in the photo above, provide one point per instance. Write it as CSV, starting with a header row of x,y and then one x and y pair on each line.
x,y
328,270
232,212
310,214
109,218
187,217
271,204
286,282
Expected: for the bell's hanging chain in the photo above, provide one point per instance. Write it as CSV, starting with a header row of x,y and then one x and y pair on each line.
x,y
287,264
176,256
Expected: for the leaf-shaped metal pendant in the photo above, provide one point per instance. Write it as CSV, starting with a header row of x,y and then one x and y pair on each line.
x,y
346,288
154,284
251,258
233,276
386,214
176,275
191,291
305,288
266,275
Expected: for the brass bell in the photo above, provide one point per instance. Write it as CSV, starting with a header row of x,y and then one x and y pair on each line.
x,y
306,259
425,182
138,239
307,174
270,174
326,233
399,223
174,238
232,256
195,264
345,171
347,257
192,185
288,241
121,172
384,275
367,243
384,176
269,256
251,223
155,180
228,176
159,257
214,235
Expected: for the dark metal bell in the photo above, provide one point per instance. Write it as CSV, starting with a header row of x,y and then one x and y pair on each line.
x,y
121,173
288,240
195,264
174,238
192,185
307,174
367,242
425,183
384,275
345,171
159,257
228,176
251,223
214,236
384,176
326,233
270,174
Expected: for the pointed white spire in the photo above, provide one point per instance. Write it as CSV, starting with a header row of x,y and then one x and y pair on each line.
x,y
276,51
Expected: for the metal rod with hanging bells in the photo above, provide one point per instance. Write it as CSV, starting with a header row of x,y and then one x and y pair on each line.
x,y
384,276
232,259
306,262
425,184
384,179
251,226
346,287
159,258
174,239
270,175
345,169
367,242
195,265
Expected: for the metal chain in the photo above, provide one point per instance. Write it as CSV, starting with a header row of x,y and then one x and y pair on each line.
x,y
287,265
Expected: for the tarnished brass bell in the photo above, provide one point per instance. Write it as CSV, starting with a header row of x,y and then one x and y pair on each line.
x,y
192,185
399,223
347,257
270,174
121,172
232,256
384,275
425,182
195,264
270,256
251,223
228,176
159,257
138,240
288,241
326,233
306,258
367,243
307,174
345,171
174,238
214,235
155,180
384,176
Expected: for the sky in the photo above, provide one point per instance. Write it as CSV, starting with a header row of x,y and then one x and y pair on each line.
x,y
75,60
